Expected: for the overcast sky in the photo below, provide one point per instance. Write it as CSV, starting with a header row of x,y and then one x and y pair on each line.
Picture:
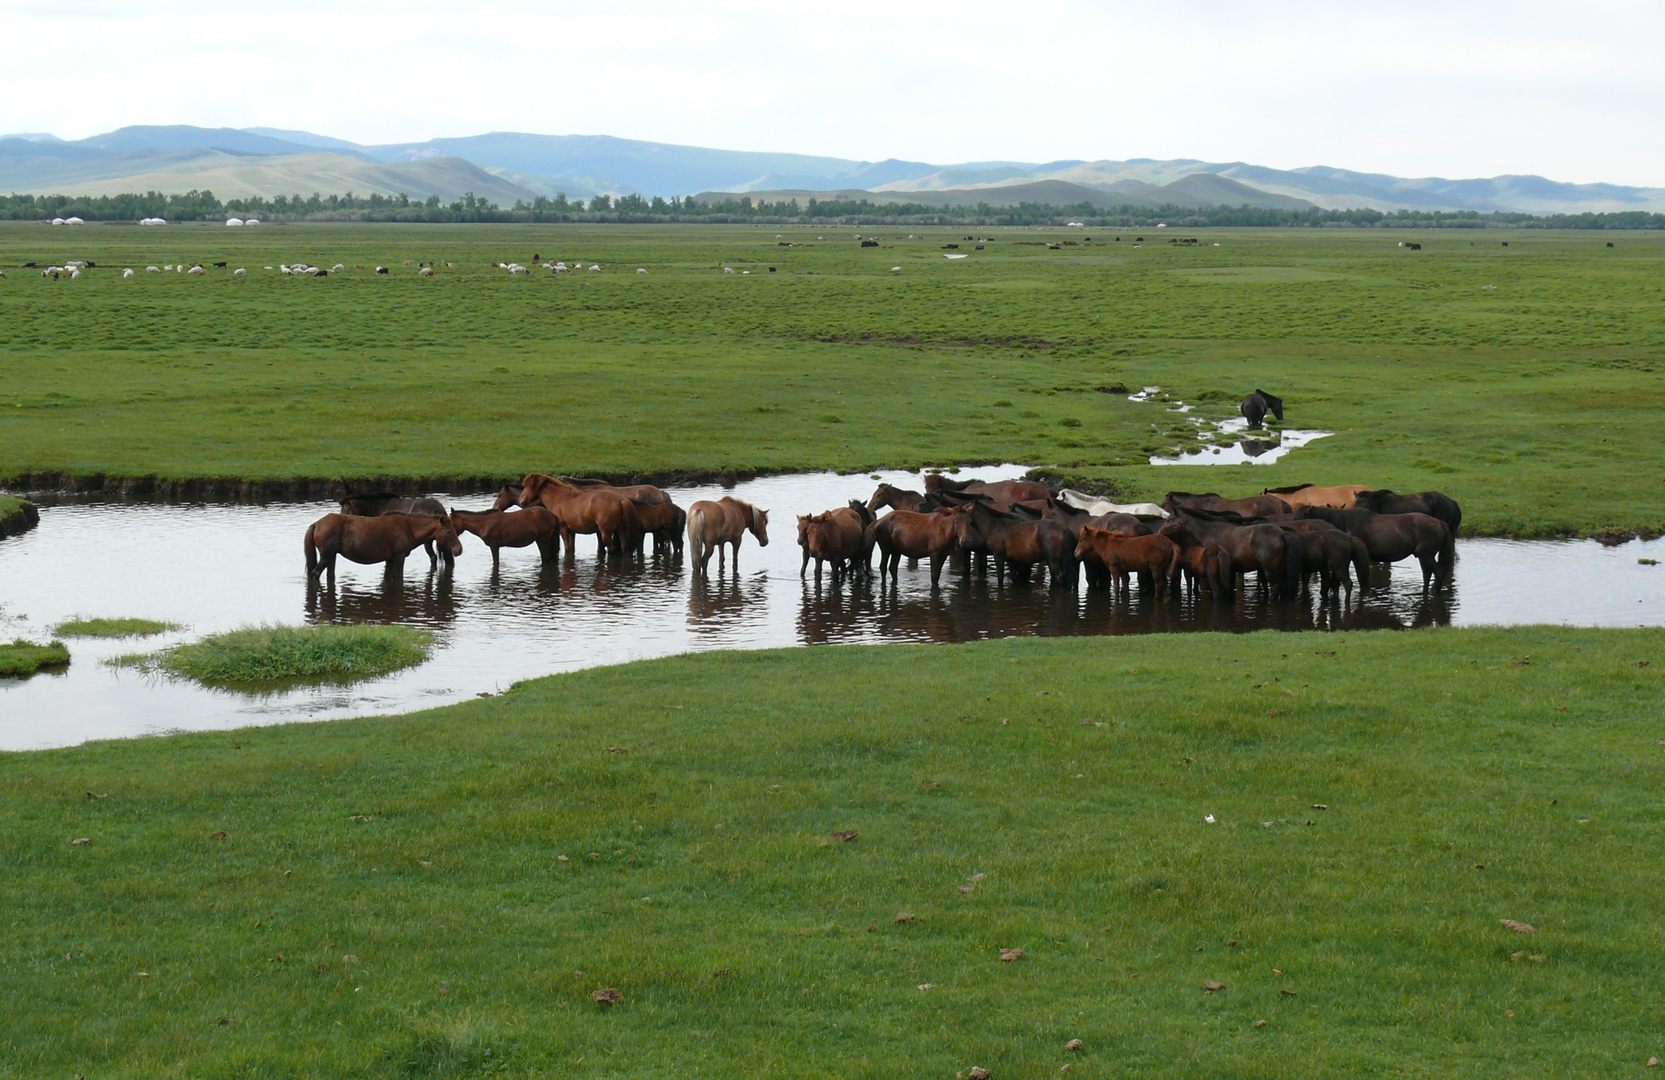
x,y
1573,91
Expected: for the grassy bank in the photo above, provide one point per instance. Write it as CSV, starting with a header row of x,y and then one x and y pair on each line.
x,y
22,658
17,516
1523,380
441,894
277,654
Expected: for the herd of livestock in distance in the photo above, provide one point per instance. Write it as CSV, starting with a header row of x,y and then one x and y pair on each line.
x,y
1284,536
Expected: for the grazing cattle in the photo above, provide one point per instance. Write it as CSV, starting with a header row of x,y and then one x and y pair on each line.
x,y
1155,559
1432,503
1338,498
388,539
1257,405
609,515
1391,537
932,535
1252,506
519,528
1260,547
712,524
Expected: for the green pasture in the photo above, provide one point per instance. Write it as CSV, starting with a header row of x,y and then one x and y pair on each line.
x,y
442,894
1524,380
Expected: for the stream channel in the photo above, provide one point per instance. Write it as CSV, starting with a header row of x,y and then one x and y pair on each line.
x,y
218,567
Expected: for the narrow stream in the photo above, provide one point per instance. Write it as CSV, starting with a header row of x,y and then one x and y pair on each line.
x,y
218,567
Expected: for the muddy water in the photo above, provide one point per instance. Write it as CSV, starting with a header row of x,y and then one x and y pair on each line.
x,y
218,567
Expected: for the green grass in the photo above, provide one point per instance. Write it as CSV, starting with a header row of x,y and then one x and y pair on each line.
x,y
440,894
1524,381
279,654
113,628
22,658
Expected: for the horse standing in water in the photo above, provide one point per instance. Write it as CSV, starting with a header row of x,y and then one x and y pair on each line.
x,y
387,538
725,521
377,503
520,528
603,511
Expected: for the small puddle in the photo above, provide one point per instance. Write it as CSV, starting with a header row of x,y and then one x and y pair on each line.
x,y
1259,448
216,567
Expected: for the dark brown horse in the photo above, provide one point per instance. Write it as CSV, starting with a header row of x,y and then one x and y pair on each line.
x,y
1263,548
1252,506
1017,541
1005,491
1391,537
841,537
376,503
1432,503
894,497
918,536
1154,558
516,529
1329,553
1207,566
606,513
386,538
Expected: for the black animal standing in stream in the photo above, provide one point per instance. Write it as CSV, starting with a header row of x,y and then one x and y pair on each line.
x,y
1258,404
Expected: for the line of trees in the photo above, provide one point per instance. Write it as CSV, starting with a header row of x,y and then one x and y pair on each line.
x,y
635,209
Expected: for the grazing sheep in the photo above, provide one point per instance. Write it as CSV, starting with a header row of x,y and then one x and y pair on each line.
x,y
640,270
285,268
196,270
338,267
127,273
896,269
426,271
152,270
728,269
594,266
239,272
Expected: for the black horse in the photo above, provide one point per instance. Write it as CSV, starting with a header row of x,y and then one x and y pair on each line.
x,y
1433,503
1258,404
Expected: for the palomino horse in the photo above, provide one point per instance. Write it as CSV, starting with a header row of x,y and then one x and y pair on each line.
x,y
1337,498
726,521
602,511
387,538
654,509
1154,558
521,528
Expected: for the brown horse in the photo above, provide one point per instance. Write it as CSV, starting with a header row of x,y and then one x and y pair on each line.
x,y
726,521
655,510
1154,558
1433,503
611,516
1337,498
1391,537
1005,491
837,536
1017,541
1260,547
376,503
520,528
1329,553
1208,565
1253,506
918,536
387,538
894,497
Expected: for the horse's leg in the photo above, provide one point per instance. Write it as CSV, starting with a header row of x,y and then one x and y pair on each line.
x,y
937,559
495,552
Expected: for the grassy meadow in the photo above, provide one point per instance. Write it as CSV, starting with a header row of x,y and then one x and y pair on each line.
x,y
1524,380
442,894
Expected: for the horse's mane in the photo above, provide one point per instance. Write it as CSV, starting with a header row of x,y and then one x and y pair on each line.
x,y
1286,490
946,484
1195,495
1229,517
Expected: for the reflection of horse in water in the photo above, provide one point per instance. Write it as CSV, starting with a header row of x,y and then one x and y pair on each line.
x,y
717,601
430,601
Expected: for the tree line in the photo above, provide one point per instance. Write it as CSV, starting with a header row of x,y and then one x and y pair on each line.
x,y
636,209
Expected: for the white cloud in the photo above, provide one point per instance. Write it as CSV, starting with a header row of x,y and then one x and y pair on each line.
x,y
1410,87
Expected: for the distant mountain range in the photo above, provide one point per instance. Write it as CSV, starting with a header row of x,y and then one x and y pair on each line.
x,y
505,166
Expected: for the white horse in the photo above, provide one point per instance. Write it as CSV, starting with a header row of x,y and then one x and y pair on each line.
x,y
1098,507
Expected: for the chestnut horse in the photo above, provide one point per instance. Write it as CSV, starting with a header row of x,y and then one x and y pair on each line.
x,y
894,497
1337,498
521,528
377,503
1154,558
1005,491
843,537
603,511
387,538
657,513
918,536
725,521
1209,565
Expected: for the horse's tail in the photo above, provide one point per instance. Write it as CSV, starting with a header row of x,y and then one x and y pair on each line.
x,y
630,523
1448,551
696,528
311,551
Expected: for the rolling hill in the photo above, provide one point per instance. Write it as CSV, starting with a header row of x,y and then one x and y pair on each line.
x,y
1190,191
504,166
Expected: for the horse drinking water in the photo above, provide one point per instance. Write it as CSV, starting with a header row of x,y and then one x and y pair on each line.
x,y
387,538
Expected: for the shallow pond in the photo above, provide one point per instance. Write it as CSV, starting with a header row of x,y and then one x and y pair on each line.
x,y
217,567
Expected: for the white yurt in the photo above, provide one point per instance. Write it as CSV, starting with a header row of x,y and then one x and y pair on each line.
x,y
153,221
73,221
57,221
251,221
236,221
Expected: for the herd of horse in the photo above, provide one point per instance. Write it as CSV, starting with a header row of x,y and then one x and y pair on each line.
x,y
1203,543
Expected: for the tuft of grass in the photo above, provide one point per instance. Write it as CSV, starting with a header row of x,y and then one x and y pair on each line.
x,y
113,628
22,658
275,654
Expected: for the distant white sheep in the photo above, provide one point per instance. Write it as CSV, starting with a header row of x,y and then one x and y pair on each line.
x,y
338,267
127,273
168,267
196,270
239,272
152,270
896,269
594,266
426,271
641,270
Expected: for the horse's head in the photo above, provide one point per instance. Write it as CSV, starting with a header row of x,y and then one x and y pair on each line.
x,y
881,497
506,497
1178,530
966,532
803,529
448,538
760,526
1085,543
530,489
